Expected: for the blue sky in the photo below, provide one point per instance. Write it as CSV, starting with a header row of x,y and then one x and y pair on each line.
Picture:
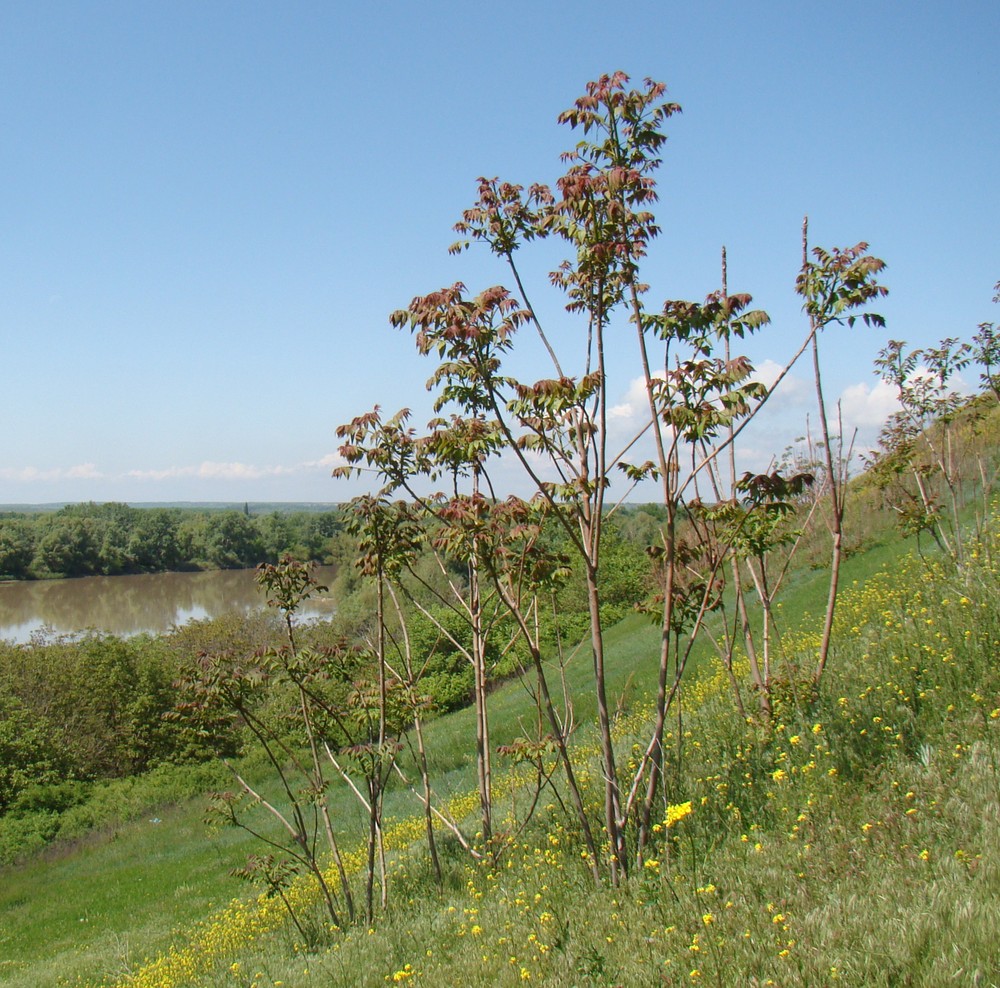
x,y
210,209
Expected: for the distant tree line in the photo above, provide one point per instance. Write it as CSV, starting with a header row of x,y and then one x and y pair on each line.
x,y
113,538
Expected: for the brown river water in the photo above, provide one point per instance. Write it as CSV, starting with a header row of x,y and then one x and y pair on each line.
x,y
128,605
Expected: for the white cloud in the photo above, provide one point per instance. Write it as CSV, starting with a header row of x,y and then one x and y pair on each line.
x,y
159,474
213,470
27,474
86,471
632,412
238,471
32,474
767,371
775,427
208,471
867,407
792,391
327,462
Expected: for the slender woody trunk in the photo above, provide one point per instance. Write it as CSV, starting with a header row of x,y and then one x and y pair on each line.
x,y
742,614
377,751
483,760
836,495
318,782
662,692
593,506
669,473
418,730
557,727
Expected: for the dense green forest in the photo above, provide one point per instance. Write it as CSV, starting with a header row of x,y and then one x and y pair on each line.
x,y
112,538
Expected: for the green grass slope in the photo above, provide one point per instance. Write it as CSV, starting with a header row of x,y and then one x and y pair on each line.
x,y
853,841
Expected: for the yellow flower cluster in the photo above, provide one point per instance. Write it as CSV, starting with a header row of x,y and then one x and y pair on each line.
x,y
677,813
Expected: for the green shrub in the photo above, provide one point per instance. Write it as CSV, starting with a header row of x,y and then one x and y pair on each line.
x,y
29,754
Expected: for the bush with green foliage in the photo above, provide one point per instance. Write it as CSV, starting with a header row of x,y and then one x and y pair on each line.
x,y
29,753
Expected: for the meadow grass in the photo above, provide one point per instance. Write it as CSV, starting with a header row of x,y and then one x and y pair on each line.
x,y
105,902
853,840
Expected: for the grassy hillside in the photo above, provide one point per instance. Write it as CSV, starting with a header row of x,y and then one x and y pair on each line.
x,y
853,840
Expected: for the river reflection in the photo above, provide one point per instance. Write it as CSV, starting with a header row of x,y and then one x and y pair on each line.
x,y
128,605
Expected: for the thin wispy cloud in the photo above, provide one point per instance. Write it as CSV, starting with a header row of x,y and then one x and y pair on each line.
x,y
208,470
213,470
33,474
